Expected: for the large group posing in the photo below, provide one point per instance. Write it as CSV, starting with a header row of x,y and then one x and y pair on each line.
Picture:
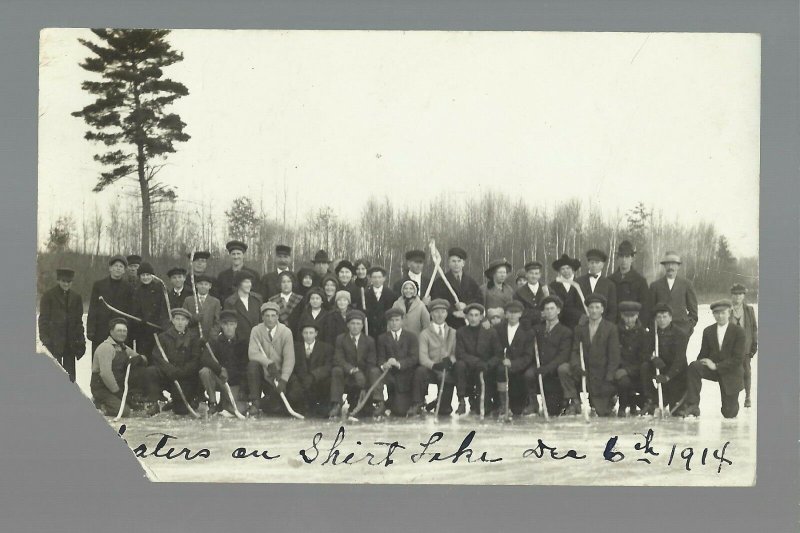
x,y
242,344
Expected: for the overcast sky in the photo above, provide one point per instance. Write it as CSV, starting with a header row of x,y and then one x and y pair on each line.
x,y
669,119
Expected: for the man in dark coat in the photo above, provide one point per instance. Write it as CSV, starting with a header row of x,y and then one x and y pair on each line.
x,y
398,351
132,270
720,359
178,291
226,280
230,365
322,264
743,315
199,267
149,305
517,345
379,299
61,322
312,368
564,287
271,282
676,292
465,287
594,282
631,285
415,261
477,350
355,363
671,361
635,348
531,294
116,292
245,303
599,340
554,342
309,310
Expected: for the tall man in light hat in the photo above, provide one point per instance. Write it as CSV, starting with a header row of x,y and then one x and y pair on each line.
x,y
517,344
531,293
630,284
635,348
497,291
671,362
415,261
116,292
742,314
477,350
594,282
226,280
398,351
437,345
464,286
61,322
721,359
272,360
355,365
563,287
271,283
245,303
109,366
677,292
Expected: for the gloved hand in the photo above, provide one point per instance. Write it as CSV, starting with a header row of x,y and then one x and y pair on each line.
x,y
662,379
281,386
272,370
441,365
506,362
223,374
203,340
578,371
392,362
659,363
482,366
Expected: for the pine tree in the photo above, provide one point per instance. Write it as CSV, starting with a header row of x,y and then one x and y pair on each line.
x,y
129,116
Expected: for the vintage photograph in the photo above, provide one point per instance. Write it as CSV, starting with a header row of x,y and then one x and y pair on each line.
x,y
423,257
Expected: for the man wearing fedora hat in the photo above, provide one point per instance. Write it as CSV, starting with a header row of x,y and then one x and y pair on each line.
x,y
322,264
497,291
61,322
531,293
594,282
677,292
630,284
116,292
226,280
464,286
415,261
150,306
563,287
271,283
378,299
742,314
245,303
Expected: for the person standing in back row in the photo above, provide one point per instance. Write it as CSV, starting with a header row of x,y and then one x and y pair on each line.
x,y
271,283
61,322
226,280
678,293
631,285
464,286
116,292
743,315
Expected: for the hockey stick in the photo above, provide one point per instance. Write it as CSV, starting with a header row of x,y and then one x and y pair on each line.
x,y
126,315
439,396
125,388
541,380
364,307
483,396
369,392
226,386
177,385
507,415
283,396
585,392
577,286
437,268
661,412
677,405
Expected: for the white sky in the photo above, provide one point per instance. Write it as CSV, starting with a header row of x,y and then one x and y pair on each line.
x,y
669,119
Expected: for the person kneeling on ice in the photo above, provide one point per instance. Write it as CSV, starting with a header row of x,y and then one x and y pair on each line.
x,y
635,349
398,351
600,342
477,349
517,345
671,362
312,367
109,365
272,358
720,359
230,366
182,349
355,365
437,346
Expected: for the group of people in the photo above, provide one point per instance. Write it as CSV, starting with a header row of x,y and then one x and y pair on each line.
x,y
305,341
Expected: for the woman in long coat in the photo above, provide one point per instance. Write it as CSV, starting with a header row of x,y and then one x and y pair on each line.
x,y
416,317
497,292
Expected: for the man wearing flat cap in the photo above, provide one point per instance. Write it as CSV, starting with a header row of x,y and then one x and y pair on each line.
x,y
743,314
599,340
378,298
415,261
199,267
245,303
437,345
531,293
116,292
132,270
271,283
226,280
355,364
464,286
178,290
497,291
595,282
397,351
109,366
312,369
721,359
229,367
517,345
150,306
477,350
635,349
677,292
272,360
61,322
564,287
671,362
205,309
630,284
554,341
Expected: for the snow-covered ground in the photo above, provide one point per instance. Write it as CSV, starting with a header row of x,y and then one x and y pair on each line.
x,y
695,442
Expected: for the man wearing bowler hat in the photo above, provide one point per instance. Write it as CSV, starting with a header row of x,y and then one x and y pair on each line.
x,y
677,292
415,261
630,284
464,286
594,282
563,287
743,315
322,265
61,322
531,293
116,292
226,280
271,282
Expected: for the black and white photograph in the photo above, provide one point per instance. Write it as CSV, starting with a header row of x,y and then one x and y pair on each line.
x,y
406,257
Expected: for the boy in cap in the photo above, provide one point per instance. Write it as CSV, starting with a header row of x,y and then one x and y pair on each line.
x,y
721,357
312,368
594,282
477,350
132,270
516,343
671,362
182,350
554,341
415,261
437,346
271,282
109,365
230,366
464,286
379,299
272,358
635,348
178,291
61,322
743,315
354,364
631,285
116,292
397,350
531,293
206,309
600,341
677,292
245,303
226,280
563,287
149,305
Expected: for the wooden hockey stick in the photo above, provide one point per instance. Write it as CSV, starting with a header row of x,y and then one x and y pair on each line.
x,y
482,407
369,392
541,380
283,396
585,392
125,388
439,396
507,415
177,385
364,307
166,295
661,412
126,315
